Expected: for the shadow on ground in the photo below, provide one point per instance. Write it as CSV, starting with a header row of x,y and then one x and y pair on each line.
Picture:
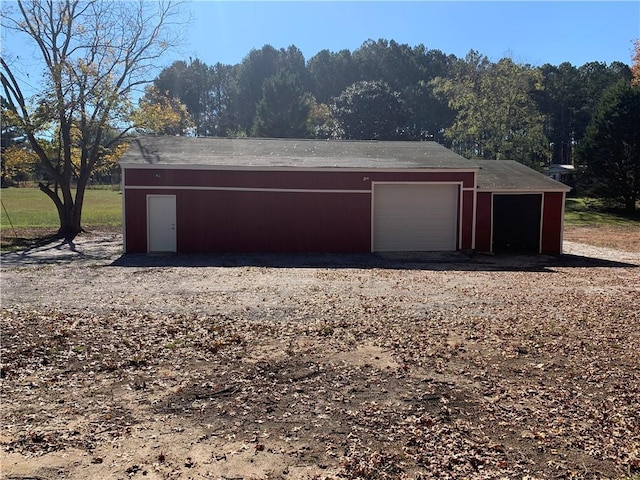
x,y
54,249
450,261
105,249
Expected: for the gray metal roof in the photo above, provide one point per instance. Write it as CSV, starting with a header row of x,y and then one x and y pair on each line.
x,y
288,153
509,175
493,175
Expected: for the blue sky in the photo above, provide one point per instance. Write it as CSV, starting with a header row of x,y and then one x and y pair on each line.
x,y
535,32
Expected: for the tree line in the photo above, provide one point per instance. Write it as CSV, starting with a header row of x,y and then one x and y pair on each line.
x,y
537,115
390,91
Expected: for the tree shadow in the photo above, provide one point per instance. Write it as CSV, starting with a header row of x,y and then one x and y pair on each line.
x,y
25,242
50,248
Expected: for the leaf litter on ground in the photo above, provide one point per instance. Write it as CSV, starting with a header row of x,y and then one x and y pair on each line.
x,y
318,372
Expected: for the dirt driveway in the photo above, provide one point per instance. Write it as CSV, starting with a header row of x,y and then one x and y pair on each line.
x,y
319,366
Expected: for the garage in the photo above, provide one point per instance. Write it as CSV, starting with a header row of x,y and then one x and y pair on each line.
x,y
415,217
256,195
518,210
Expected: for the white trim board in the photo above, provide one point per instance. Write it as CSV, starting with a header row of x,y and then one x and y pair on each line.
x,y
244,189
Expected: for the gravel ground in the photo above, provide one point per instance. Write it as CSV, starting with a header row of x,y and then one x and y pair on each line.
x,y
319,366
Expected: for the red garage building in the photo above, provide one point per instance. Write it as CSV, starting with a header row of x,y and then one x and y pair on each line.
x,y
210,195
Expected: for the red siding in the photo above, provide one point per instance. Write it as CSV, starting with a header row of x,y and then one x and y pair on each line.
x,y
553,212
467,220
284,179
234,221
254,220
274,222
552,223
210,220
483,222
135,221
467,178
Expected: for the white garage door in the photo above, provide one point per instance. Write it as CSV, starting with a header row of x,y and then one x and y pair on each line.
x,y
415,217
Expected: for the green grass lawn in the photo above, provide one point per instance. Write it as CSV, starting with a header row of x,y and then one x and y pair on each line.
x,y
588,211
30,208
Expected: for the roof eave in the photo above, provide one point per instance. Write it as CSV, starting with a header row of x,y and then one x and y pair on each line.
x,y
524,190
275,168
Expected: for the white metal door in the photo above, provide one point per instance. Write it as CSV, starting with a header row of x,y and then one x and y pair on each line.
x,y
415,217
161,223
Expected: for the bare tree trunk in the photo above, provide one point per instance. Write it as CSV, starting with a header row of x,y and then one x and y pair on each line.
x,y
69,209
